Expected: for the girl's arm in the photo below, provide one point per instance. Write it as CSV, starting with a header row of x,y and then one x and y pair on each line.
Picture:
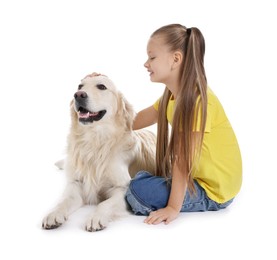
x,y
178,189
145,117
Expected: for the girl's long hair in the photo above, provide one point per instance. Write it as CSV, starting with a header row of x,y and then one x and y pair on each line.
x,y
190,113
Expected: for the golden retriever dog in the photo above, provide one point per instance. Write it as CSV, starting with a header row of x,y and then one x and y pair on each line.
x,y
103,153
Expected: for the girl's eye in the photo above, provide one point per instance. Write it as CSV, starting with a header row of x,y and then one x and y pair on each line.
x,y
151,58
101,86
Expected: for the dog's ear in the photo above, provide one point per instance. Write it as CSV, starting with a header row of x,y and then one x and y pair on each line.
x,y
74,117
126,110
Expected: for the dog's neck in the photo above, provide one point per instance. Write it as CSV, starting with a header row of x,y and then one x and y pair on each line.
x,y
101,131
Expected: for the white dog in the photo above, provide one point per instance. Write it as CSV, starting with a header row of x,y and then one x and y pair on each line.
x,y
103,154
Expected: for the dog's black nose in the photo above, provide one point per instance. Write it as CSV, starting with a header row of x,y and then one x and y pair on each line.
x,y
79,95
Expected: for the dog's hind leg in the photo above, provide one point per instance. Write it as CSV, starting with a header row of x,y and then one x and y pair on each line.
x,y
70,202
109,209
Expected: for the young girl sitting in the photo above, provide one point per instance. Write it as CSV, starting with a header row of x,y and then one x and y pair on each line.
x,y
198,161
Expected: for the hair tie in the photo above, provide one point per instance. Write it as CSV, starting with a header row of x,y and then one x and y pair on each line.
x,y
188,31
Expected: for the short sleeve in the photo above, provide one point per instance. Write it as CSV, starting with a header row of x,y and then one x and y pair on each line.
x,y
156,104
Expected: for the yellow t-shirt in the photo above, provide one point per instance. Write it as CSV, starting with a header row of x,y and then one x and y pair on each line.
x,y
220,167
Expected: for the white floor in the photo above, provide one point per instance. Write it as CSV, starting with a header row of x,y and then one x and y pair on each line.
x,y
31,185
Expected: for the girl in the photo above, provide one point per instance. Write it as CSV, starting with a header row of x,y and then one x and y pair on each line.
x,y
199,167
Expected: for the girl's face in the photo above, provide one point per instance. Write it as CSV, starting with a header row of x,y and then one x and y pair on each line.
x,y
160,60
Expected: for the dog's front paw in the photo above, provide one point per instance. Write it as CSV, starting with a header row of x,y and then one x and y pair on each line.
x,y
96,223
53,220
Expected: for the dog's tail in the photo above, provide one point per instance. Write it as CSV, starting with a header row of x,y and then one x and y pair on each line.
x,y
60,164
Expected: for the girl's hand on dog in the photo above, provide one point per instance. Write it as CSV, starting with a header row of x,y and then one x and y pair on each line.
x,y
94,74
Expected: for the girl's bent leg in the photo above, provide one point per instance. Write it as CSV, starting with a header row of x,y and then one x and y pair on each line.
x,y
147,193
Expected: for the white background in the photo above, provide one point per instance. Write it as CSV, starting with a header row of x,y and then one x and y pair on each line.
x,y
46,47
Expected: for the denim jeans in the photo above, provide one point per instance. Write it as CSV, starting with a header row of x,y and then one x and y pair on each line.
x,y
148,193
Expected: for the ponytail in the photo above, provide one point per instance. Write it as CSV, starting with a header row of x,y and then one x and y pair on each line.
x,y
184,146
191,107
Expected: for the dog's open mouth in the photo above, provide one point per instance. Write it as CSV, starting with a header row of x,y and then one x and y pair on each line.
x,y
86,116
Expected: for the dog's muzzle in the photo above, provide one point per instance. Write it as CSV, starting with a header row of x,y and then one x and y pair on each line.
x,y
86,116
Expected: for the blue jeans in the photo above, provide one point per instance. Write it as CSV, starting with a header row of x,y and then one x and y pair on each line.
x,y
148,193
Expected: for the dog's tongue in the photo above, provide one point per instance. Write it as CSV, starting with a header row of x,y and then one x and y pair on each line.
x,y
87,115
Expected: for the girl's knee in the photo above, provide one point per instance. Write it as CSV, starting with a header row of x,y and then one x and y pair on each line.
x,y
136,206
148,191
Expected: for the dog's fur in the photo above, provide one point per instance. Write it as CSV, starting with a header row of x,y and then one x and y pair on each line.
x,y
103,154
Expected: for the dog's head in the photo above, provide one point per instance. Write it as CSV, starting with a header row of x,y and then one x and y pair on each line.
x,y
97,99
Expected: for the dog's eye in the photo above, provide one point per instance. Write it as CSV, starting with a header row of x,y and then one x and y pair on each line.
x,y
80,86
101,86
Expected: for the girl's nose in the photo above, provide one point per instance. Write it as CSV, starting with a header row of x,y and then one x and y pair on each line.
x,y
146,64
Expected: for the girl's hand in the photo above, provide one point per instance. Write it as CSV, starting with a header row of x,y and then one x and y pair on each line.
x,y
165,215
94,74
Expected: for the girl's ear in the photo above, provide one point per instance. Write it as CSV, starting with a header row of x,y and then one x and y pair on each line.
x,y
177,58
